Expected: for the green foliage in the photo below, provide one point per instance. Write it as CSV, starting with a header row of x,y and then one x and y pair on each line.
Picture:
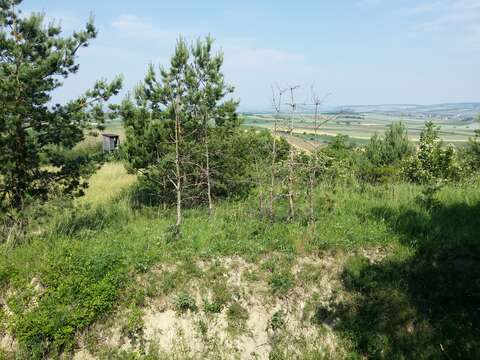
x,y
473,152
383,156
407,304
433,162
428,198
103,252
34,133
185,302
405,308
208,122
78,289
277,322
280,283
392,149
133,325
353,268
221,297
336,162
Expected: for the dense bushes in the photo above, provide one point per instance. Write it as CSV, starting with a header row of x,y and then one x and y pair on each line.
x,y
392,149
472,152
237,161
432,162
394,158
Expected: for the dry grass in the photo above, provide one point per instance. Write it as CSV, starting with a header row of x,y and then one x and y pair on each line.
x,y
108,182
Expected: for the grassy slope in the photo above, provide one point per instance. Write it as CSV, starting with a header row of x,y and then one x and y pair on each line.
x,y
85,264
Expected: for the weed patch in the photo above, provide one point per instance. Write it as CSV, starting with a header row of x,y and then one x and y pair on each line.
x,y
237,317
281,283
185,302
277,322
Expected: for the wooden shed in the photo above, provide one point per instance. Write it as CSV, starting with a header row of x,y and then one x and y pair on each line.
x,y
110,142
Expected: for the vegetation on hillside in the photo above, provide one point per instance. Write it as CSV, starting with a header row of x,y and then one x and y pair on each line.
x,y
342,252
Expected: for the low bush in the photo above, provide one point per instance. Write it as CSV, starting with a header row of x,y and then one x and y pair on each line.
x,y
185,302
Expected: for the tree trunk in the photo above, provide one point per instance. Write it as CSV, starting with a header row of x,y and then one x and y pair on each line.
x,y
207,172
311,196
260,188
313,171
273,174
178,175
291,208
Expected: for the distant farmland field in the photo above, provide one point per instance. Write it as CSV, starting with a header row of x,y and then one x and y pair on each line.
x,y
360,127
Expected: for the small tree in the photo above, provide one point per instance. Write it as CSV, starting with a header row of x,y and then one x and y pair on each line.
x,y
473,150
433,162
393,148
179,126
34,133
383,157
432,165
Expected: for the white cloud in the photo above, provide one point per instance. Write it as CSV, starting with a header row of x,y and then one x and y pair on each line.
x,y
136,26
459,17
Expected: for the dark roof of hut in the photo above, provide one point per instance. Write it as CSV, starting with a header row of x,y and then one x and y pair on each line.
x,y
111,135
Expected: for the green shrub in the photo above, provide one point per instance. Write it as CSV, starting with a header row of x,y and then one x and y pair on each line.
x,y
433,162
277,321
392,149
280,283
185,302
212,307
382,159
471,154
78,290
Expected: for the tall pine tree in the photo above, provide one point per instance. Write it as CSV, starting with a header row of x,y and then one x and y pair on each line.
x,y
34,132
180,128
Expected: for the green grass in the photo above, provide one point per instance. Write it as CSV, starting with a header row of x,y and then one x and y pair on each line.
x,y
107,183
84,265
185,302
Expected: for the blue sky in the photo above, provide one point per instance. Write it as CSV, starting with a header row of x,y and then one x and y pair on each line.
x,y
360,51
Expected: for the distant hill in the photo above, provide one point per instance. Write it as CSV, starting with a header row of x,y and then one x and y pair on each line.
x,y
461,111
453,110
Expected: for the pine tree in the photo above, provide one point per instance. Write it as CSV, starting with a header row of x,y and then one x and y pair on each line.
x,y
34,133
209,90
179,127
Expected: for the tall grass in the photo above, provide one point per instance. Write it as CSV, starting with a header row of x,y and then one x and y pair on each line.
x,y
82,266
107,183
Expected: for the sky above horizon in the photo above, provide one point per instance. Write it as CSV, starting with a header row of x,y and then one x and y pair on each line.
x,y
359,51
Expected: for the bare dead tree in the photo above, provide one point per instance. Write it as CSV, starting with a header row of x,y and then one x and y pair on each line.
x,y
317,102
207,163
290,163
277,105
178,175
